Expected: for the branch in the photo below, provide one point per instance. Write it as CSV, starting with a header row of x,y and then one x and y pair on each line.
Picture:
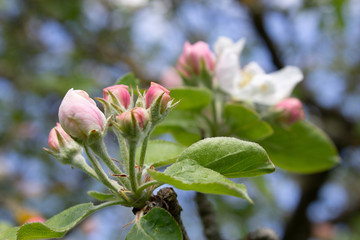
x,y
208,217
257,19
299,226
166,198
262,234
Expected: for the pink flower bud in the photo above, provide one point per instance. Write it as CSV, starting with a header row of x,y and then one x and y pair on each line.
x,y
141,116
192,56
130,120
154,92
36,219
121,92
79,115
53,139
292,110
171,78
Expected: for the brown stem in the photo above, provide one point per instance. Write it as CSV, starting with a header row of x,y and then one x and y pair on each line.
x,y
169,198
262,234
208,217
166,198
299,227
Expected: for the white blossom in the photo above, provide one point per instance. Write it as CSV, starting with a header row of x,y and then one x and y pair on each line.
x,y
251,83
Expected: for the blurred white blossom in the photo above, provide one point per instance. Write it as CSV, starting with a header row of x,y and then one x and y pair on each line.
x,y
131,3
251,83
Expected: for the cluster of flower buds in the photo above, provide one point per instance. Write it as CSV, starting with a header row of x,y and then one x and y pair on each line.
x,y
197,65
290,110
82,122
83,126
116,99
152,107
196,61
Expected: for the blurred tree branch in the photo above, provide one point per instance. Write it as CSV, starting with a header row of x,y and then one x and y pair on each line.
x,y
299,226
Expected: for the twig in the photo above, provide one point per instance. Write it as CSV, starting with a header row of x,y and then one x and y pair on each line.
x,y
208,217
166,198
169,197
262,234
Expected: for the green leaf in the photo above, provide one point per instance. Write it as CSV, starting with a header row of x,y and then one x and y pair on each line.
x,y
192,98
301,147
9,234
186,120
57,226
246,123
128,79
4,226
230,157
100,196
157,224
160,153
37,230
185,138
189,175
183,125
339,7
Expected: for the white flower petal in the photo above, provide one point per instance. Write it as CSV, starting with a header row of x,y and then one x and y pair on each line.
x,y
262,89
285,81
223,44
227,71
253,69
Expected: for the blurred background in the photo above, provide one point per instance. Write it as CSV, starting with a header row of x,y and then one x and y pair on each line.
x,y
47,47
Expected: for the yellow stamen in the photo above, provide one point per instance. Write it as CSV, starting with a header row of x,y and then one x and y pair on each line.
x,y
247,77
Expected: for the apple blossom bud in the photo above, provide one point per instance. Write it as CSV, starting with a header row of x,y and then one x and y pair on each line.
x,y
120,92
62,146
133,121
291,110
154,92
171,78
190,61
79,115
53,137
36,219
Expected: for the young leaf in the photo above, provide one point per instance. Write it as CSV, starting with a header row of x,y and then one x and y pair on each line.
x,y
57,226
183,125
37,230
4,226
128,79
160,153
189,175
230,157
246,123
186,120
301,148
157,224
100,196
9,234
192,98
